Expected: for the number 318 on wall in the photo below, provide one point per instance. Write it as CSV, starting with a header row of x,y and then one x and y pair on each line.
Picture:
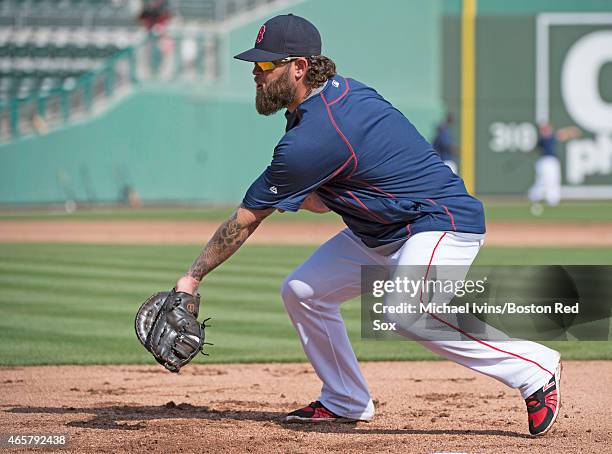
x,y
513,137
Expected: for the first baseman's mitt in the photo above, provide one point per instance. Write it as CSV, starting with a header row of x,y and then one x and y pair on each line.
x,y
167,325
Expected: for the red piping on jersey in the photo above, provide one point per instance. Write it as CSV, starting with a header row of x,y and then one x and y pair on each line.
x,y
339,97
337,195
374,215
342,167
353,156
353,206
379,219
480,341
408,230
342,136
450,216
447,212
380,190
371,186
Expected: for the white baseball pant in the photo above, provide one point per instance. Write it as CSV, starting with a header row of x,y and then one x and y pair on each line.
x,y
314,291
547,185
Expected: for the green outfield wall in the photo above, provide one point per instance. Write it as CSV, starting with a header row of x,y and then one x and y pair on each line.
x,y
536,61
165,146
206,143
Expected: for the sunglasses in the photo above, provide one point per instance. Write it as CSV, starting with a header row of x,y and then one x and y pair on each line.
x,y
270,65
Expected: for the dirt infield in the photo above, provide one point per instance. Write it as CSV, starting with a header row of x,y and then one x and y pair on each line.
x,y
194,232
422,407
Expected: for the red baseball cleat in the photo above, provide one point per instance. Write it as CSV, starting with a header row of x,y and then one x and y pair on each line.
x,y
315,412
543,405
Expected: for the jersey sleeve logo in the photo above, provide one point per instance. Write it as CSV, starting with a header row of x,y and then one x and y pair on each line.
x,y
260,35
273,190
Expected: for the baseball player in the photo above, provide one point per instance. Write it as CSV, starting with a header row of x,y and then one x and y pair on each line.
x,y
348,150
444,143
547,185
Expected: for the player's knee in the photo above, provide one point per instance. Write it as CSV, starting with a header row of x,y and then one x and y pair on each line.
x,y
403,323
295,291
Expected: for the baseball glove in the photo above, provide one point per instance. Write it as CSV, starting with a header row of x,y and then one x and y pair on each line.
x,y
167,325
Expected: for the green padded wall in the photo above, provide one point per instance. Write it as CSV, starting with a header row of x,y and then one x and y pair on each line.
x,y
506,91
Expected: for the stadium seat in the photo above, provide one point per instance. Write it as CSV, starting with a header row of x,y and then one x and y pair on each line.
x,y
48,44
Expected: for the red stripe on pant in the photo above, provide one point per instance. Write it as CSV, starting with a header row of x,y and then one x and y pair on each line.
x,y
480,341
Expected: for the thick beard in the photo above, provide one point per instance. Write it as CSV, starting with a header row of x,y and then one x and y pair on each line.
x,y
276,95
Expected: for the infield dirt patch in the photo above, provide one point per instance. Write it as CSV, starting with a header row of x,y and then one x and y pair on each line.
x,y
421,407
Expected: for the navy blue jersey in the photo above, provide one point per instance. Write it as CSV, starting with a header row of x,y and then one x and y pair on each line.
x,y
547,145
367,163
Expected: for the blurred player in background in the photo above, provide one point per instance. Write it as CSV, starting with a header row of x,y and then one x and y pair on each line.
x,y
547,185
444,142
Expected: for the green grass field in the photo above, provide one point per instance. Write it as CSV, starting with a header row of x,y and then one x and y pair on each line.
x,y
74,304
496,210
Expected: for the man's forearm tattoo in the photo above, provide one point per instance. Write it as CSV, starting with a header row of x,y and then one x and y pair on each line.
x,y
226,240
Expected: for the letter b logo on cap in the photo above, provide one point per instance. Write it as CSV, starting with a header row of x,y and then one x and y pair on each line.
x,y
262,30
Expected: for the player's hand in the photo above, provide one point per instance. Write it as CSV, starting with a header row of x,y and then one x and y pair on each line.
x,y
187,284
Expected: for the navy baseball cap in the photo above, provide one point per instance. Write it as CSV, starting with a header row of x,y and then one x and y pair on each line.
x,y
284,36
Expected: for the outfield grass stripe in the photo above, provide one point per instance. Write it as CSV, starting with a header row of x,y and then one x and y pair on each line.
x,y
115,264
68,303
55,327
217,300
99,272
51,281
102,275
248,252
267,315
84,332
131,263
25,301
74,304
95,257
63,272
220,304
136,267
66,308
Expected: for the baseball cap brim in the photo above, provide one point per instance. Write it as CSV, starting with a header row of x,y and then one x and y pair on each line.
x,y
255,54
